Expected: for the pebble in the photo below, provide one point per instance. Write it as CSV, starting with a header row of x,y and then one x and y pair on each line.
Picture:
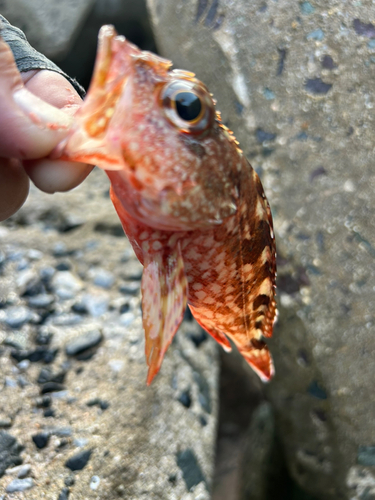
x,y
80,442
46,375
20,485
83,342
102,277
185,399
64,494
52,387
79,460
21,471
41,439
127,319
46,273
43,402
40,353
66,319
130,288
96,305
34,254
69,480
94,483
5,423
65,285
42,300
98,402
16,316
10,451
49,413
60,249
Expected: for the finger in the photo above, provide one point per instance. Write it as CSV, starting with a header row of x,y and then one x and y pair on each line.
x,y
29,127
54,175
14,187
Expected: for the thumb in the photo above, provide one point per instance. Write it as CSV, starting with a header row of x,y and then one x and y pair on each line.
x,y
29,127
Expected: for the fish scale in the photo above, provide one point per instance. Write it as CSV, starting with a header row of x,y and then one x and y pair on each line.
x,y
190,203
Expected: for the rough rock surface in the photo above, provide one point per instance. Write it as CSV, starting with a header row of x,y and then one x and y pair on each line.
x,y
294,80
50,27
74,400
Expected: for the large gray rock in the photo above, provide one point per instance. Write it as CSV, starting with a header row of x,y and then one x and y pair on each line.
x,y
75,370
51,26
294,80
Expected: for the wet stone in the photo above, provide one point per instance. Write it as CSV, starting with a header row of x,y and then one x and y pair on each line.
x,y
64,494
327,62
103,405
9,452
316,390
185,399
83,343
20,485
366,456
364,29
63,266
198,338
40,353
68,319
41,301
317,86
69,481
46,375
16,316
78,461
43,402
191,471
41,439
263,136
52,387
49,413
102,278
130,288
95,305
5,423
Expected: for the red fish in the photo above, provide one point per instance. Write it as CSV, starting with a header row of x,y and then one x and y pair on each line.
x,y
191,205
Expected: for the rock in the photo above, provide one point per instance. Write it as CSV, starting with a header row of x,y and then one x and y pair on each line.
x,y
316,165
83,343
94,483
17,316
65,284
191,471
41,301
79,460
64,494
40,353
9,451
102,278
50,28
41,440
20,485
95,304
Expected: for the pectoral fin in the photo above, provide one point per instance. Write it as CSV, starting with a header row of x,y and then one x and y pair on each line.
x,y
164,298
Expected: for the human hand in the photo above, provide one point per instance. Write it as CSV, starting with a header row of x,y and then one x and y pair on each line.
x,y
36,109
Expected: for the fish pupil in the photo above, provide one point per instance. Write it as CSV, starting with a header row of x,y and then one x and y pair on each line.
x,y
188,106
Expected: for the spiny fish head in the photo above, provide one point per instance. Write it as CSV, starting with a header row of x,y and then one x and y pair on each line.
x,y
160,138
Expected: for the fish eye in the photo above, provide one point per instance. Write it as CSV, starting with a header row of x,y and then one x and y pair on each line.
x,y
188,105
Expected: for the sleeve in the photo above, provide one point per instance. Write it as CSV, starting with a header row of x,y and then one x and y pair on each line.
x,y
26,57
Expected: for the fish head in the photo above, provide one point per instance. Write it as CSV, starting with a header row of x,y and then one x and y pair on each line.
x,y
171,161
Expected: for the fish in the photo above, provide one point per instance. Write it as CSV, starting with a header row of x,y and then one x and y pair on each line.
x,y
191,205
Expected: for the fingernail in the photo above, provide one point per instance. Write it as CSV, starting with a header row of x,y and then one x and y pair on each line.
x,y
40,112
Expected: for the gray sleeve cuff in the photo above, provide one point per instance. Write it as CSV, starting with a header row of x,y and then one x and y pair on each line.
x,y
26,57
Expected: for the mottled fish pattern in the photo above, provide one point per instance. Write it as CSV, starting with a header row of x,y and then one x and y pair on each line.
x,y
191,205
